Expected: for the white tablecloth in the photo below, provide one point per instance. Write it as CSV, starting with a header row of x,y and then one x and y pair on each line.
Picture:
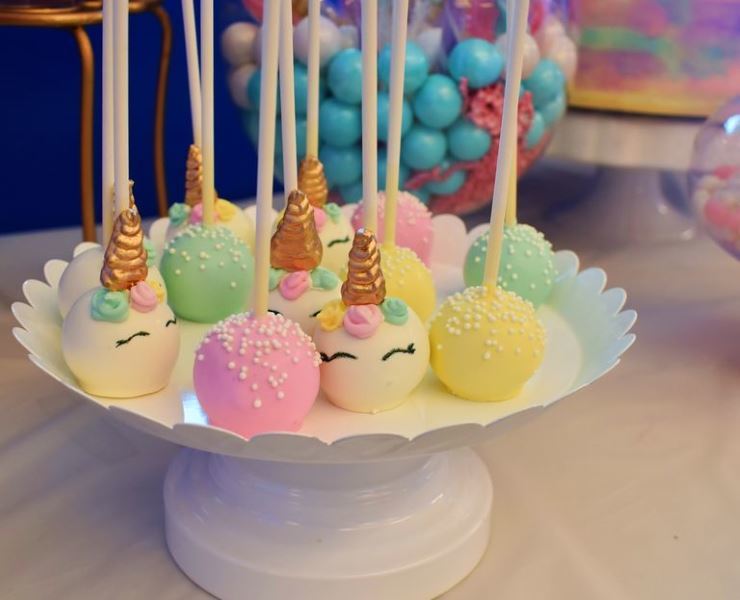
x,y
630,489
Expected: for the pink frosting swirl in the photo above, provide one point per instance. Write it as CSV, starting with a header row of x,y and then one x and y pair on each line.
x,y
293,285
143,297
319,217
196,214
362,320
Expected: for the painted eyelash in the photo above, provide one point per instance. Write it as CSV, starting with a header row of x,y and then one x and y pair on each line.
x,y
344,240
274,312
131,337
410,349
171,322
327,358
316,314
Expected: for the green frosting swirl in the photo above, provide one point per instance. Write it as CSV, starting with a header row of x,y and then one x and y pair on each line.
x,y
109,306
324,279
333,211
275,276
395,311
179,213
151,253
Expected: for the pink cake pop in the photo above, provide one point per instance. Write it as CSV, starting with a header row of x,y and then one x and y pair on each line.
x,y
413,225
256,375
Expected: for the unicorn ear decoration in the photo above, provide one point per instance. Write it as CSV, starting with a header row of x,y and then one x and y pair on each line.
x,y
374,348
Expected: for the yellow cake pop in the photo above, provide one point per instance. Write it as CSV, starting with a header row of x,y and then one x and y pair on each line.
x,y
409,279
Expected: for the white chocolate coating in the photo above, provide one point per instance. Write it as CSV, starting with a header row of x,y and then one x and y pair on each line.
x,y
337,241
141,366
303,310
370,384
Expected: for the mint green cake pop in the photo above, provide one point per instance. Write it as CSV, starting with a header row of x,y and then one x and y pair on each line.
x,y
208,272
527,267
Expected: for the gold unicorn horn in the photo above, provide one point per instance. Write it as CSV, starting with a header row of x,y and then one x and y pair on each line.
x,y
295,245
124,264
194,176
312,182
365,282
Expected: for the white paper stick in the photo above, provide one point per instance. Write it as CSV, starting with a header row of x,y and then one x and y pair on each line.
x,y
508,131
395,114
370,113
206,87
120,106
266,152
108,168
287,99
511,196
191,53
314,58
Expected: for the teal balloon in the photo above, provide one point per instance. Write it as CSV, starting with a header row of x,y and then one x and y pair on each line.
x,y
416,67
351,193
467,141
554,109
403,170
345,75
300,81
251,123
448,186
438,102
342,166
422,194
423,147
535,132
407,116
253,90
300,137
340,124
476,60
545,82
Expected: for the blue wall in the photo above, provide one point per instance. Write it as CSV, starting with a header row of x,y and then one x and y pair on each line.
x,y
39,120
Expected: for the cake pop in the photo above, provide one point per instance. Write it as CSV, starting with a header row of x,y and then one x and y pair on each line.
x,y
299,287
414,228
374,349
122,340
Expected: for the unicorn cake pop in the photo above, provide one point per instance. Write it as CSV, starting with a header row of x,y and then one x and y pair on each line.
x,y
374,349
122,340
299,287
335,230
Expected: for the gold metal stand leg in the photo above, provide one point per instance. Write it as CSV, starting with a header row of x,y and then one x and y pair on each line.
x,y
87,75
164,65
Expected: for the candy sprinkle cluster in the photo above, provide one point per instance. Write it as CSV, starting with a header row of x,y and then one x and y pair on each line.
x,y
225,247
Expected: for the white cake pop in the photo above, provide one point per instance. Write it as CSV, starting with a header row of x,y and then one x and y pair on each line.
x,y
374,349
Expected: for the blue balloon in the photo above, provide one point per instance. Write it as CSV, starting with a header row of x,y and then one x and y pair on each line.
x,y
403,170
345,75
300,74
479,61
423,147
251,122
535,132
545,82
416,67
438,102
554,109
467,141
342,166
351,193
450,185
340,124
253,90
407,116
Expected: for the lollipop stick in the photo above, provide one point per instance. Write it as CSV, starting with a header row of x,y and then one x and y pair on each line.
x,y
108,177
287,99
370,113
191,53
266,147
206,86
506,158
511,196
120,106
395,113
314,58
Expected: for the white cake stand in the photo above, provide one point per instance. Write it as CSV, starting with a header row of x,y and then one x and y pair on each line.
x,y
393,505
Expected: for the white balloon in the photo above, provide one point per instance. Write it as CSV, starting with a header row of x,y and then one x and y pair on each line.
x,y
350,36
237,42
330,40
550,31
565,54
238,80
430,42
531,53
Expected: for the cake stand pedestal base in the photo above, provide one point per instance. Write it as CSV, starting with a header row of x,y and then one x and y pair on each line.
x,y
409,528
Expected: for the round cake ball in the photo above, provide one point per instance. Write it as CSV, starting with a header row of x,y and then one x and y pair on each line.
x,y
372,356
228,215
407,278
118,346
414,228
335,233
486,344
255,375
208,272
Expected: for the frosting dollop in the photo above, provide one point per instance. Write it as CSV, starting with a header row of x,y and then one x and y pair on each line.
x,y
319,217
109,306
362,320
196,214
275,276
395,311
178,213
333,211
332,315
158,289
151,253
143,297
324,279
294,285
225,210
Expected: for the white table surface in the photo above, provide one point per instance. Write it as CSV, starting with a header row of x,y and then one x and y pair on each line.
x,y
629,489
